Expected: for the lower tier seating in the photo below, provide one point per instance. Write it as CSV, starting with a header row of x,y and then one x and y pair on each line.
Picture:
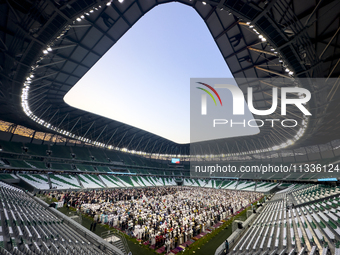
x,y
28,228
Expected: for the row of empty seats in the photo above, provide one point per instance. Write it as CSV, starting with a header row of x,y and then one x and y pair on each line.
x,y
78,181
74,152
314,192
28,228
98,168
232,185
65,181
281,228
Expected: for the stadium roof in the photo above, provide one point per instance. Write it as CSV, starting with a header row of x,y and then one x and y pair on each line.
x,y
47,46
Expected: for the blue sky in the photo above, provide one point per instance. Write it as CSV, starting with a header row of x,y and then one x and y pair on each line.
x,y
144,79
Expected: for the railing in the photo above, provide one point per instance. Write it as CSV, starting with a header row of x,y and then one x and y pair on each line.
x,y
89,235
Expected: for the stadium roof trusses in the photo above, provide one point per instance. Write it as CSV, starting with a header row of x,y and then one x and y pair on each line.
x,y
302,36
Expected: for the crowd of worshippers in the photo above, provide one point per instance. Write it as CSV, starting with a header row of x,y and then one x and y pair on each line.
x,y
167,216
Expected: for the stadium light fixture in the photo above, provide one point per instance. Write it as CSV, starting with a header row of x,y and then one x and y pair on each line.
x,y
256,31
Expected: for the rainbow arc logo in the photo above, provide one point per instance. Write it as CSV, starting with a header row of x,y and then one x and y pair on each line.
x,y
209,93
